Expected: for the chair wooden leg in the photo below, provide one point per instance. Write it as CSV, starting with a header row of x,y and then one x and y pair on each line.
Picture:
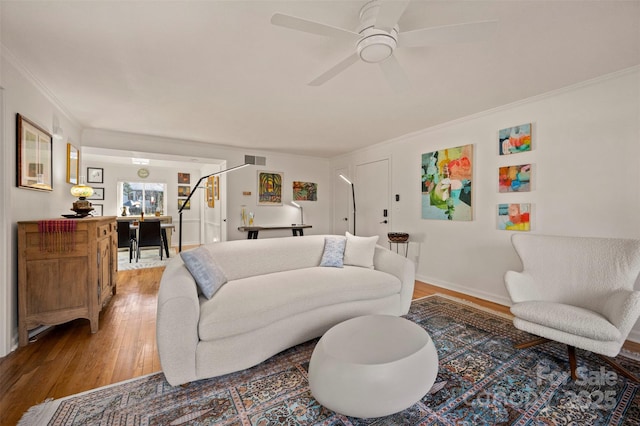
x,y
572,362
530,343
620,369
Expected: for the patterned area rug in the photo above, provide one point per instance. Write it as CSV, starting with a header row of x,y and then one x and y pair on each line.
x,y
482,380
149,258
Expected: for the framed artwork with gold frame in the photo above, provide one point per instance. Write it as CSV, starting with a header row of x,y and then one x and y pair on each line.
x,y
73,164
209,193
34,154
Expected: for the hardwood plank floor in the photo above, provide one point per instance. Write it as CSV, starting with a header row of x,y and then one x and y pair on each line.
x,y
68,359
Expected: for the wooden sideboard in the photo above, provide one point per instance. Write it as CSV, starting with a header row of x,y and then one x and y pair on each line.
x,y
74,280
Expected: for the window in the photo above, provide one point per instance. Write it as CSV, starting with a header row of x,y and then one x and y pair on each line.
x,y
137,197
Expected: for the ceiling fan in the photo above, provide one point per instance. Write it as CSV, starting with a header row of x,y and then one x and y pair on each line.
x,y
378,36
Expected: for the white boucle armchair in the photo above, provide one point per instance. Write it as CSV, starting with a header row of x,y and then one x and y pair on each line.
x,y
578,291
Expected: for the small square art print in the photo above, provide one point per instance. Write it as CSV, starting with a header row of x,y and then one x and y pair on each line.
x,y
181,201
513,140
184,177
514,217
515,178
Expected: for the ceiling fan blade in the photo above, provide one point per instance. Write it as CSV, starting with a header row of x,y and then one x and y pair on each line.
x,y
335,70
389,13
312,27
457,33
395,74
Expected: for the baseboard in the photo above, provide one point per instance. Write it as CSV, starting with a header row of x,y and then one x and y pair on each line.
x,y
490,297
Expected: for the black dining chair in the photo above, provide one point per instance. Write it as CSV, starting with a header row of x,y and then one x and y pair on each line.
x,y
127,238
149,235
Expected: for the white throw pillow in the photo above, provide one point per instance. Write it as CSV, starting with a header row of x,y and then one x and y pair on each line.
x,y
359,251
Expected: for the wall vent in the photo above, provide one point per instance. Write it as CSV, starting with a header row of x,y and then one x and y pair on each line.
x,y
254,159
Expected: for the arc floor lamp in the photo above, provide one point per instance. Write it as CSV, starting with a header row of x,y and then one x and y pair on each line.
x,y
249,160
353,196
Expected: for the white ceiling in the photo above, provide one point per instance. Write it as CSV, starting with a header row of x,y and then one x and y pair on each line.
x,y
219,72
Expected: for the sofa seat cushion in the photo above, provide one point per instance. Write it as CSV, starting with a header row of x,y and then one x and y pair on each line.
x,y
567,318
251,303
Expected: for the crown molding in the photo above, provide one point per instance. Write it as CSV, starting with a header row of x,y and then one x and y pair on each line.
x,y
505,107
39,85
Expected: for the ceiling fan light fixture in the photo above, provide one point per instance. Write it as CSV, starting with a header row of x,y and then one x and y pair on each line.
x,y
376,48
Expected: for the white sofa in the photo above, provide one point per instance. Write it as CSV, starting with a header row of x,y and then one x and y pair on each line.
x,y
276,297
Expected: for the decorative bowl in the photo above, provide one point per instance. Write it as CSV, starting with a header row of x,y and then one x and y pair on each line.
x,y
398,237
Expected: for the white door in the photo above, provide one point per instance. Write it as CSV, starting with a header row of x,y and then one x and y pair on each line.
x,y
372,199
342,205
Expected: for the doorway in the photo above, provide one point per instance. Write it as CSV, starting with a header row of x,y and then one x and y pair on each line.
x,y
372,199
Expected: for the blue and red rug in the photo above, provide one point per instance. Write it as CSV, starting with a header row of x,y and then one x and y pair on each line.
x,y
482,380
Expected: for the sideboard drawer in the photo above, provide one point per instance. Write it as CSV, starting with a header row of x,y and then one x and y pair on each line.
x,y
104,230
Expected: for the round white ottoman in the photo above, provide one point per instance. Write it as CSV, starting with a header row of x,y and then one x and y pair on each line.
x,y
372,366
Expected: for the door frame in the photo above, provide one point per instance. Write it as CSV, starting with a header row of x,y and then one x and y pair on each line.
x,y
340,187
6,301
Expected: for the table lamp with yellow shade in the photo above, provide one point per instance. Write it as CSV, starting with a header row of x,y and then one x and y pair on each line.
x,y
82,207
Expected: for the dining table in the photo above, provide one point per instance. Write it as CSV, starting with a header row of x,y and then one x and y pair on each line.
x,y
163,228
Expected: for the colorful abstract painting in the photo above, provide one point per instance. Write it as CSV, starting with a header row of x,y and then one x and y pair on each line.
x,y
514,217
270,188
515,178
305,191
515,139
446,183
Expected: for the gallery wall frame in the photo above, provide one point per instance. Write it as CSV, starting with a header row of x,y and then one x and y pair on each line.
x,y
514,217
34,156
98,194
97,210
73,164
184,177
514,178
209,193
514,140
95,175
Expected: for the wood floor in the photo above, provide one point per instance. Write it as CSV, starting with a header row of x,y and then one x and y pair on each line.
x,y
68,359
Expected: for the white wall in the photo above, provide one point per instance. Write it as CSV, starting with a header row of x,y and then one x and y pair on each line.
x,y
235,183
23,95
586,165
586,156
